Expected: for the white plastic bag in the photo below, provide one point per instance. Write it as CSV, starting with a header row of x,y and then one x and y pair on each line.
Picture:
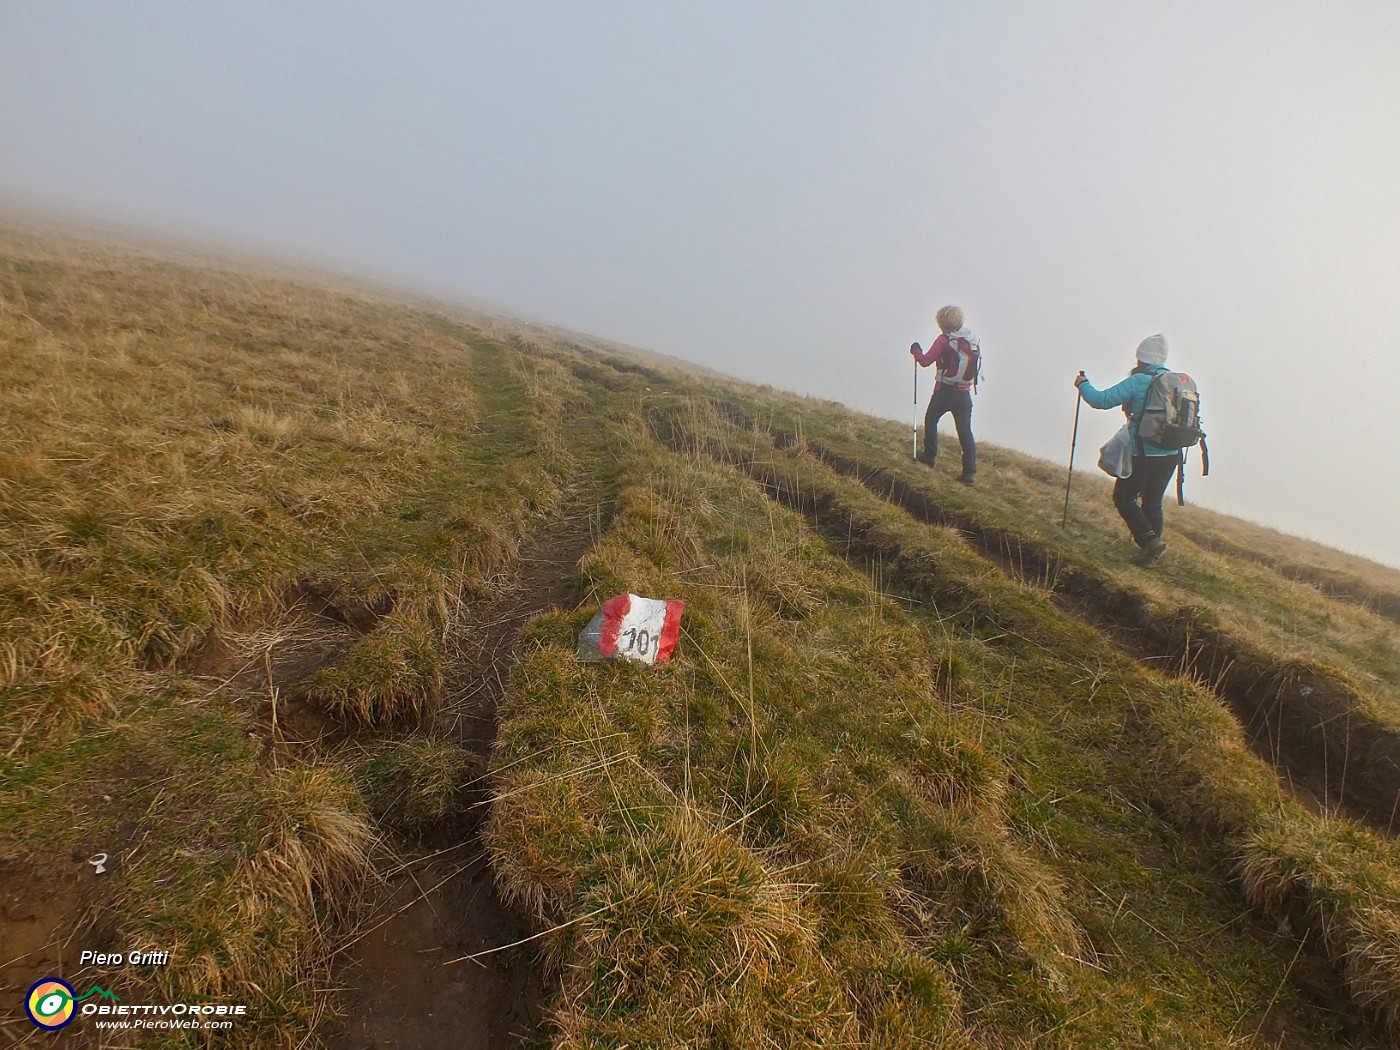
x,y
1116,456
629,627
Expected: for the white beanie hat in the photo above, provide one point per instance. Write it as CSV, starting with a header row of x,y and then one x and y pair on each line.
x,y
1152,350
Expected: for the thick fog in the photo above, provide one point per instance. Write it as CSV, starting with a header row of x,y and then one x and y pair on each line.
x,y
787,192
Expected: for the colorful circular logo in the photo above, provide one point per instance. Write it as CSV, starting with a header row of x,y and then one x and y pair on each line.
x,y
50,1003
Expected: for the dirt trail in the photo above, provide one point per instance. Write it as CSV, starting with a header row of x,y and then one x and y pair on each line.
x,y
1310,725
404,988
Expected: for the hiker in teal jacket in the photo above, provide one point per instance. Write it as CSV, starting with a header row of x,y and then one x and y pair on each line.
x,y
1138,497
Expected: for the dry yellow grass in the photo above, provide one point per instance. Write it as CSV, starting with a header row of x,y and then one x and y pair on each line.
x,y
155,425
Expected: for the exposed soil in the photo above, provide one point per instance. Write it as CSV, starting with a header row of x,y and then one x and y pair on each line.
x,y
408,985
56,905
48,915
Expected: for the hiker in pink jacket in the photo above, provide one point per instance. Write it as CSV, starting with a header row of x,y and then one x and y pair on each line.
x,y
958,357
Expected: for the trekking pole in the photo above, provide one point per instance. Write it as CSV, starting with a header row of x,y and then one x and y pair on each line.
x,y
1073,440
916,409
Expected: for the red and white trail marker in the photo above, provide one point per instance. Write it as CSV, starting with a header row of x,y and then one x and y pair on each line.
x,y
629,627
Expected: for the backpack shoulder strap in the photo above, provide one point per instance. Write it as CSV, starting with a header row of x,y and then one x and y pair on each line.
x,y
1135,418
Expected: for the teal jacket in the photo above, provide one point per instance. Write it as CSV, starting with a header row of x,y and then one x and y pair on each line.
x,y
1130,393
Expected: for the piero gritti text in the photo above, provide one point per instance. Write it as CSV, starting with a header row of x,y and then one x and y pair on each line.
x,y
135,958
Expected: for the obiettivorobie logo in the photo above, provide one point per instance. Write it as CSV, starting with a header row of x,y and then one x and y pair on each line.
x,y
52,1003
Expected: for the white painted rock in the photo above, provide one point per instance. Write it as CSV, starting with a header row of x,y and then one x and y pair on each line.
x,y
629,627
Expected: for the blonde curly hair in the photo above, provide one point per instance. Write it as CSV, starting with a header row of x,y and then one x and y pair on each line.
x,y
950,319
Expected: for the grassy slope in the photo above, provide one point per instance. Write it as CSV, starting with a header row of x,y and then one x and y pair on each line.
x,y
185,451
884,795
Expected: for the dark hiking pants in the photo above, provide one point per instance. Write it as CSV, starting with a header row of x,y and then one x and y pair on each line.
x,y
958,402
1139,496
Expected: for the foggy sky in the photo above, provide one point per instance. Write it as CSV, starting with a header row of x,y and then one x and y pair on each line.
x,y
787,192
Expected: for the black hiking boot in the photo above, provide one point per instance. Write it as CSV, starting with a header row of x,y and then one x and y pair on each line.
x,y
1153,549
967,479
924,458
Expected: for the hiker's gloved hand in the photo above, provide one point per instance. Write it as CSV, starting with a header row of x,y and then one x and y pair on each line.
x,y
915,348
1080,378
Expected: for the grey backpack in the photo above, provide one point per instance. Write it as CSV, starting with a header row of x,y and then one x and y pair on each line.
x,y
1171,418
1171,415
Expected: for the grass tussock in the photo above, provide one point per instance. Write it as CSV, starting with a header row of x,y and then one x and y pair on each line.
x,y
690,913
419,784
1340,888
315,846
259,929
392,677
